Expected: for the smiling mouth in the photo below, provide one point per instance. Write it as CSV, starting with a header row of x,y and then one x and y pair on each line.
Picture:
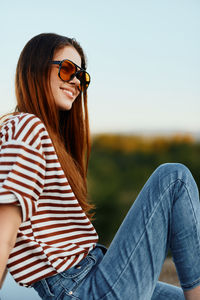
x,y
69,93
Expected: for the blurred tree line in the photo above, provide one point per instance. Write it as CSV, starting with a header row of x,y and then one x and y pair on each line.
x,y
121,164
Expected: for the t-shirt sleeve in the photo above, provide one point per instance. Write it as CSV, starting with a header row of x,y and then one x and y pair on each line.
x,y
22,175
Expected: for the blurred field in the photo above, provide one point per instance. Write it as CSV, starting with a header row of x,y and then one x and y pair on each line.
x,y
119,167
121,164
168,273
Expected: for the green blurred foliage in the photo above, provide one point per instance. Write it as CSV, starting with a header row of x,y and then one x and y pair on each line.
x,y
119,167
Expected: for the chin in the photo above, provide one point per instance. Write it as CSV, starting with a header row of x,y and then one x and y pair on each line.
x,y
66,107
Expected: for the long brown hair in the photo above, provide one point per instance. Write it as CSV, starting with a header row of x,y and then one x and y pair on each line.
x,y
69,130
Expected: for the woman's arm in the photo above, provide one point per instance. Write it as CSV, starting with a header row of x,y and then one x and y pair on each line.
x,y
10,220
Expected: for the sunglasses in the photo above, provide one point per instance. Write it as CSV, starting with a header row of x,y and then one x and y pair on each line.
x,y
68,70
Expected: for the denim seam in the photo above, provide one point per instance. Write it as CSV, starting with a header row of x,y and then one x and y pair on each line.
x,y
73,276
65,292
132,253
46,288
190,200
188,286
74,289
163,294
89,264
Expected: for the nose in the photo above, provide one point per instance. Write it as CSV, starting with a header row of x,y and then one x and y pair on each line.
x,y
74,80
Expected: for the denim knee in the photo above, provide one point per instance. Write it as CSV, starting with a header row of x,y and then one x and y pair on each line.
x,y
179,171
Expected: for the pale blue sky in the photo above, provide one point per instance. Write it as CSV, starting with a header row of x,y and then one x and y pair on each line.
x,y
143,57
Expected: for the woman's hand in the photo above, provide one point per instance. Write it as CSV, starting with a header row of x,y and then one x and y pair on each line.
x,y
10,220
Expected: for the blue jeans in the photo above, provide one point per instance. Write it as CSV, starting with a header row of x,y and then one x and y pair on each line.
x,y
166,214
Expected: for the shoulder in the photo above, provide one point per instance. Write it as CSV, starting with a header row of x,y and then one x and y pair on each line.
x,y
23,127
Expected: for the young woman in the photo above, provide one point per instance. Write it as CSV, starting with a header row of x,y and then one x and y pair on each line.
x,y
46,238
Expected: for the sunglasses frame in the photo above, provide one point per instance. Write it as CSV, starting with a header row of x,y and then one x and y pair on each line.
x,y
78,70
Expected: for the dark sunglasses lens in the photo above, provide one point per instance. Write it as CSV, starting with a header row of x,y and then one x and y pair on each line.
x,y
67,70
84,78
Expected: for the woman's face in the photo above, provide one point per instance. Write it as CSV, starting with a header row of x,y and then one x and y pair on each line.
x,y
64,93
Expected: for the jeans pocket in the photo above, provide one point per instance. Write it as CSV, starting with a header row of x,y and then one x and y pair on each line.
x,y
74,277
78,272
43,289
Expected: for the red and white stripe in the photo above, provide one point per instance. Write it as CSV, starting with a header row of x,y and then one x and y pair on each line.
x,y
55,234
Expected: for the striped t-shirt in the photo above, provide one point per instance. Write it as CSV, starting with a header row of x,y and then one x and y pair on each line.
x,y
55,233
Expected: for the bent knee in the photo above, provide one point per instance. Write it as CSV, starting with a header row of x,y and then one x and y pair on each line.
x,y
179,169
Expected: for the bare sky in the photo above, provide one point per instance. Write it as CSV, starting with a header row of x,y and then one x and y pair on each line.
x,y
143,57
